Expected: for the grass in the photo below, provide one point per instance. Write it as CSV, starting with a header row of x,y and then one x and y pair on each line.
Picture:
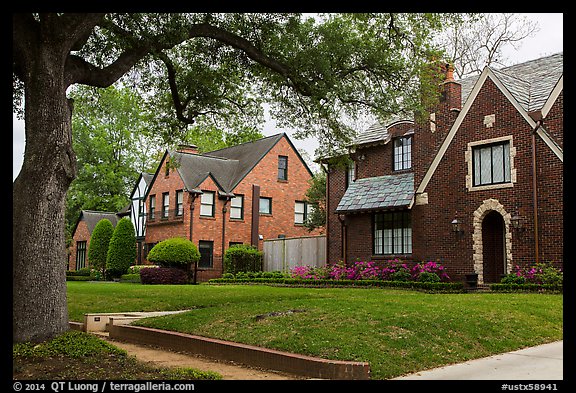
x,y
77,355
396,331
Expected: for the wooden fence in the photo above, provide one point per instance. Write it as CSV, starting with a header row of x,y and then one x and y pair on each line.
x,y
284,254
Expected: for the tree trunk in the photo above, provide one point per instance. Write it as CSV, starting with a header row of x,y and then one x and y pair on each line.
x,y
39,195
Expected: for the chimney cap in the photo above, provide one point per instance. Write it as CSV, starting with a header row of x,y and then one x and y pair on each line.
x,y
184,148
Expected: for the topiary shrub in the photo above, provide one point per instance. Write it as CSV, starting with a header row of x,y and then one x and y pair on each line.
x,y
99,242
122,249
163,275
176,251
243,258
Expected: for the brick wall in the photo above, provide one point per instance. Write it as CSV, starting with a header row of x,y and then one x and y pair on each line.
x,y
449,195
81,234
284,194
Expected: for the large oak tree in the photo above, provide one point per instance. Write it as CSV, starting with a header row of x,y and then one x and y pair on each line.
x,y
220,66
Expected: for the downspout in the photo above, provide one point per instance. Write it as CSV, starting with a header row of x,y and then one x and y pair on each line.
x,y
535,191
192,200
343,236
224,210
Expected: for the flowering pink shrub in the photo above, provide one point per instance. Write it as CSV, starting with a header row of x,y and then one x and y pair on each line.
x,y
393,269
541,273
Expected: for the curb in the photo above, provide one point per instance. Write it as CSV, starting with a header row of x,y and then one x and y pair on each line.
x,y
241,353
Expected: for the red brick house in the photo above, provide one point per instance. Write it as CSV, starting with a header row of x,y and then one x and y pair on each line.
x,y
78,251
477,186
241,194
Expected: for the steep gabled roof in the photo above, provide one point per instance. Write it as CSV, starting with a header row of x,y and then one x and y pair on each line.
x,y
530,82
91,217
226,167
523,92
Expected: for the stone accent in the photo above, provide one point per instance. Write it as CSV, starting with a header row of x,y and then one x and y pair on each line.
x,y
486,207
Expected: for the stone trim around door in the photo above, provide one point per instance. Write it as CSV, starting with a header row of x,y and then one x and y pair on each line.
x,y
486,207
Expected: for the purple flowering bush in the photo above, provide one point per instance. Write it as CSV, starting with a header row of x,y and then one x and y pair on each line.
x,y
540,273
392,270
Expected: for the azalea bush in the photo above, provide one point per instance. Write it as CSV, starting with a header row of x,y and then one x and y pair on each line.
x,y
392,270
540,273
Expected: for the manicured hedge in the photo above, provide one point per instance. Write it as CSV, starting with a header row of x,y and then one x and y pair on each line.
x,y
78,278
529,287
130,277
427,286
163,275
243,258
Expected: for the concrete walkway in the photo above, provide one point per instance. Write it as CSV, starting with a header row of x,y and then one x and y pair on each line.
x,y
543,362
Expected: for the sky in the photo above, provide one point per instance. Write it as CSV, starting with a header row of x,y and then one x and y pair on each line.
x,y
548,40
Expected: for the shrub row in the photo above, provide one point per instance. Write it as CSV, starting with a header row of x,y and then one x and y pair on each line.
x,y
528,287
243,258
163,275
427,286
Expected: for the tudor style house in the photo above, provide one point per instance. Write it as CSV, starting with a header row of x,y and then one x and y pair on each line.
x,y
477,186
241,194
78,251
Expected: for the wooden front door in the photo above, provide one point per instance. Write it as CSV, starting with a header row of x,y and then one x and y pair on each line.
x,y
493,247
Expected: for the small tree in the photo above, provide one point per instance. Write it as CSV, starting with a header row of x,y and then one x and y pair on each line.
x,y
122,249
99,242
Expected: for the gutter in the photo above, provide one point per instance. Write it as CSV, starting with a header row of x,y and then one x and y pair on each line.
x,y
537,116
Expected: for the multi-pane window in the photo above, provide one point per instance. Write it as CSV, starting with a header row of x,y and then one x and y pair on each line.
x,y
207,204
265,205
282,168
80,255
152,206
491,163
165,204
206,249
350,173
237,207
402,153
392,233
301,211
179,203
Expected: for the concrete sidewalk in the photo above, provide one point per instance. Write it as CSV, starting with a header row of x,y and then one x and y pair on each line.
x,y
543,362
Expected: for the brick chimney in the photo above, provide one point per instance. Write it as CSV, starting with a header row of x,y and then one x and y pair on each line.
x,y
193,149
451,90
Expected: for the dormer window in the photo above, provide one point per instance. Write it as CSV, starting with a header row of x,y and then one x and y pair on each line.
x,y
402,153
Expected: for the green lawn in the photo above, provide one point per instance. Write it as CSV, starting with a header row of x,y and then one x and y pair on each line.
x,y
396,331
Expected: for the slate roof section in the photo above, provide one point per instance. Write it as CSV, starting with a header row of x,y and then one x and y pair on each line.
x,y
377,132
530,82
227,167
92,217
378,193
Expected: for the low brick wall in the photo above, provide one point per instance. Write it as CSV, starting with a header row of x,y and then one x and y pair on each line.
x,y
244,354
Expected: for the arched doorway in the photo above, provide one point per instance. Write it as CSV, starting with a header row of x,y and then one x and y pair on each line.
x,y
493,247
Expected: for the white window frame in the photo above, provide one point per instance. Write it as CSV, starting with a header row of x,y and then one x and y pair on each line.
x,y
207,202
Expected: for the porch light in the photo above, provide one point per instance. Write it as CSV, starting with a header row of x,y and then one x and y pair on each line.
x,y
456,226
516,221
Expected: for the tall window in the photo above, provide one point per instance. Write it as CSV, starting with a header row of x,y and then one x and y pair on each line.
x,y
152,206
179,203
392,233
265,205
491,163
165,204
80,255
206,249
301,211
207,204
237,207
282,168
402,153
350,173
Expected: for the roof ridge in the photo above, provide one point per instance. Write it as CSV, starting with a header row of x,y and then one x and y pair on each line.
x,y
246,143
